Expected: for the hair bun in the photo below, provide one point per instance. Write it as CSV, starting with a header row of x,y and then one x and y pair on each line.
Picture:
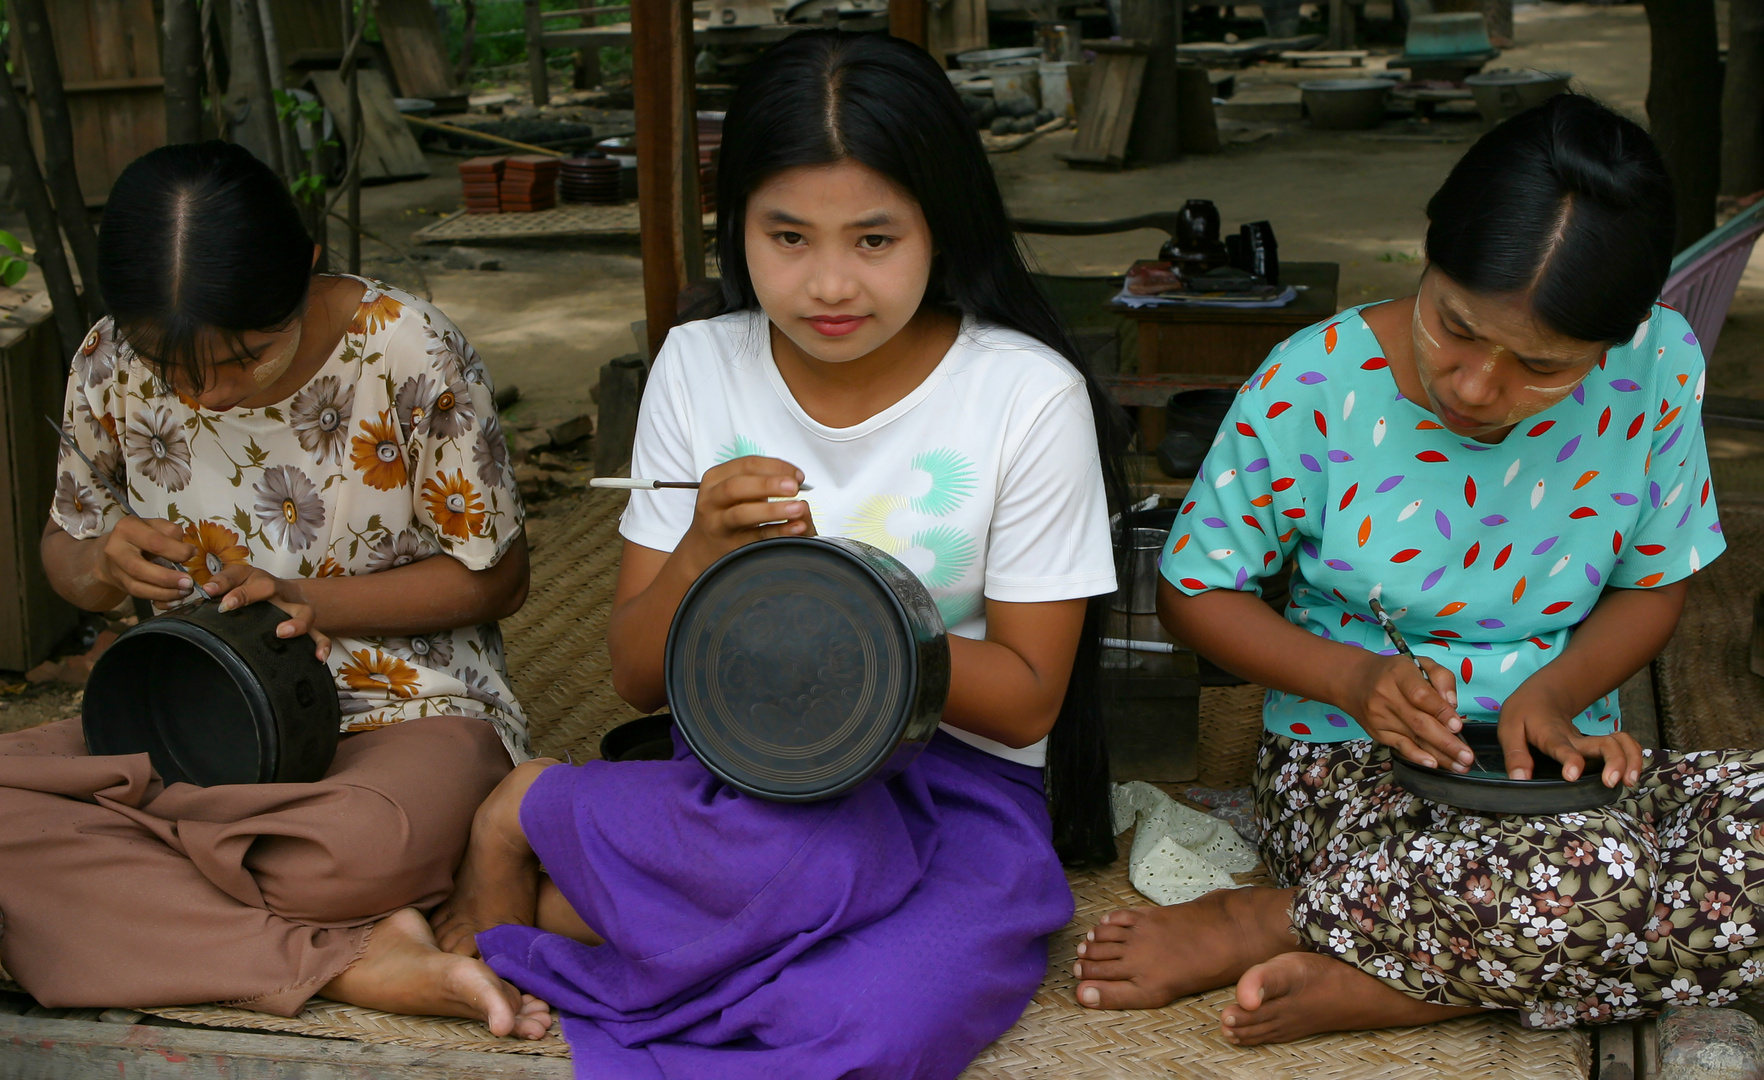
x,y
1602,155
1496,226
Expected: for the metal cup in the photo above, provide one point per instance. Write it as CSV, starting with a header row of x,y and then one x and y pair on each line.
x,y
1137,593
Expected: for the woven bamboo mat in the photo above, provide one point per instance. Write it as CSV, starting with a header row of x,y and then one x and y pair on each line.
x,y
557,650
559,223
1707,696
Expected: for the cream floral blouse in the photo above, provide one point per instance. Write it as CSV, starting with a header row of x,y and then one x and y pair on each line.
x,y
391,453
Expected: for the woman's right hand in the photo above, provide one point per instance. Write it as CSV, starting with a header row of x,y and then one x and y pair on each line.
x,y
123,559
735,507
1415,717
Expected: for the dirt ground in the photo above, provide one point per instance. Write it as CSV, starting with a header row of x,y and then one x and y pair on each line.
x,y
551,316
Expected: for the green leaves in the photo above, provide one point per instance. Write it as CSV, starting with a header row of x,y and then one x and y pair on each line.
x,y
13,266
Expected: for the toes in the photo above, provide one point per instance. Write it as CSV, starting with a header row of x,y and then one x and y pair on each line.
x,y
1109,932
1106,970
1120,917
1119,994
1101,950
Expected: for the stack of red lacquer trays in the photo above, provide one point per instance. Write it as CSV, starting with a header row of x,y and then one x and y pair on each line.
x,y
482,179
529,182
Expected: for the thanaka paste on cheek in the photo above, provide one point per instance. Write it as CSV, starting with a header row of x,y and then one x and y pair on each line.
x,y
269,371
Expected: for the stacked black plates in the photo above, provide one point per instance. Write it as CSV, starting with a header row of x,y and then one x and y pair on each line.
x,y
590,179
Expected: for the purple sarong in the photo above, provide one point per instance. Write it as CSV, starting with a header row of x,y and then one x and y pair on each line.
x,y
892,932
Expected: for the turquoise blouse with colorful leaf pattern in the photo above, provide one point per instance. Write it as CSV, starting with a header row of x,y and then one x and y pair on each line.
x,y
1487,555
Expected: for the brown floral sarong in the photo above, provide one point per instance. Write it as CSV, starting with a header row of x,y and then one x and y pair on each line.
x,y
1584,917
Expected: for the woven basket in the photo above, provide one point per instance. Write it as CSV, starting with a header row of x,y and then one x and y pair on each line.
x,y
1706,694
1230,728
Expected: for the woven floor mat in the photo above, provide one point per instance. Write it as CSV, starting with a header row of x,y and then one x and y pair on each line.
x,y
334,1020
557,642
1707,696
1058,1038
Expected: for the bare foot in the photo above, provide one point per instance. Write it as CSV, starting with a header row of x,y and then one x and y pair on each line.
x,y
1297,994
498,880
403,971
558,917
1147,957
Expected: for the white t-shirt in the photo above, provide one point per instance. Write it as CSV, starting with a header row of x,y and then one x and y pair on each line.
x,y
985,480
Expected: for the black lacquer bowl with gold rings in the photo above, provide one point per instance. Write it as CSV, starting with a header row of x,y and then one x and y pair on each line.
x,y
799,667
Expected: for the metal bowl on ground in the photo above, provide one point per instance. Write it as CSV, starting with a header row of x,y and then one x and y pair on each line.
x,y
1501,94
1487,789
647,738
215,697
797,668
1345,104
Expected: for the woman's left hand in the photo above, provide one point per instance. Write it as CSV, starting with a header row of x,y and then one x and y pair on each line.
x,y
1527,724
238,584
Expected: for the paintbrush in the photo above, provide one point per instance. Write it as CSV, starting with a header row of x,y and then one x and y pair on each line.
x,y
623,483
1396,638
197,595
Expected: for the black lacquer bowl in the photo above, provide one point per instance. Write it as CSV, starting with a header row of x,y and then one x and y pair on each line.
x,y
1487,789
797,668
215,698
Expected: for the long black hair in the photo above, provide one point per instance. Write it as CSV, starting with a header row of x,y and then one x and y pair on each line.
x,y
1568,201
200,237
825,96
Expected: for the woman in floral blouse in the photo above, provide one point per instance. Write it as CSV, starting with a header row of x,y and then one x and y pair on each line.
x,y
330,445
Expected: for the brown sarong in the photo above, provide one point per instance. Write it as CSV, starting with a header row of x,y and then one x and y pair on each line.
x,y
117,890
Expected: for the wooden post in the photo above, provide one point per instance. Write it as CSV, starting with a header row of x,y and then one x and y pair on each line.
x,y
211,30
58,153
352,178
1684,107
536,53
182,61
1155,137
1742,119
256,59
907,20
33,198
586,75
667,158
468,40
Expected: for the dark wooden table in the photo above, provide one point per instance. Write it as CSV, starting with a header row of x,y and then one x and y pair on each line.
x,y
1210,344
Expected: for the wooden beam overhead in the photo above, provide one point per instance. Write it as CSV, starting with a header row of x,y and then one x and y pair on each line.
x,y
667,158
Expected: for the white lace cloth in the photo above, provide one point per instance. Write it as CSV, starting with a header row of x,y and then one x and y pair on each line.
x,y
1179,854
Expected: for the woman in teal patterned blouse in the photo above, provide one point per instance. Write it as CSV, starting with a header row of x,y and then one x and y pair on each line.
x,y
1512,462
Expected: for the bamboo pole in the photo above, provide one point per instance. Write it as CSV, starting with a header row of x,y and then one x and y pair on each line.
x,y
69,202
457,130
33,197
183,72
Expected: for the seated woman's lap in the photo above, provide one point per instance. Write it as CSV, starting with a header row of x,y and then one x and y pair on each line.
x,y
383,829
1574,917
901,924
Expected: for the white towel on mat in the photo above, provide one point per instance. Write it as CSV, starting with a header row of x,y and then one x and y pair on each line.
x,y
1179,854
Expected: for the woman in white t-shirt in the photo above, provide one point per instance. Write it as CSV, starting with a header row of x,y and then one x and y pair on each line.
x,y
886,344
